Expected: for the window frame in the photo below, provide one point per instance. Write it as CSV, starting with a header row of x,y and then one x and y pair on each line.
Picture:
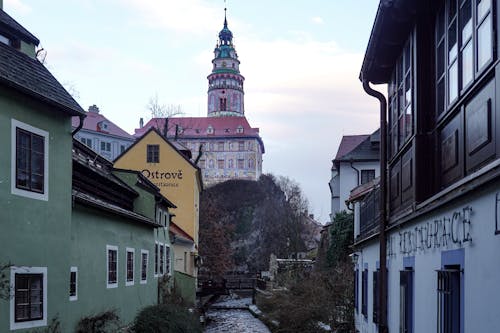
x,y
161,263
74,297
156,259
24,192
367,174
128,269
109,284
15,325
153,153
168,262
472,40
364,293
144,268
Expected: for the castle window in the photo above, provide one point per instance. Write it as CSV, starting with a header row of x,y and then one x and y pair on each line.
x,y
241,145
222,103
220,164
220,146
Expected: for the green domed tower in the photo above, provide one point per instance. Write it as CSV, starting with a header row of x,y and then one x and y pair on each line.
x,y
225,83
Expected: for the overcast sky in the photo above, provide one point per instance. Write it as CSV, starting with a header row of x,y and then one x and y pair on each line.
x,y
300,58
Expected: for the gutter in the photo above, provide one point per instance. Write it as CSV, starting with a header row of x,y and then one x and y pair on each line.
x,y
382,325
80,125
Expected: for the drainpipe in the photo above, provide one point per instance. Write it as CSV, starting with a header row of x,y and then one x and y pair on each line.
x,y
200,152
80,125
383,328
357,171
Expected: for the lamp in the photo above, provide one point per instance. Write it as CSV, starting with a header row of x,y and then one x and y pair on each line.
x,y
354,257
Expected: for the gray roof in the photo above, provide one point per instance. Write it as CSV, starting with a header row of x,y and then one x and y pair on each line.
x,y
10,27
367,150
23,73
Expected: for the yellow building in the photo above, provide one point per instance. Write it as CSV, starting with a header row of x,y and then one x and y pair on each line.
x,y
179,179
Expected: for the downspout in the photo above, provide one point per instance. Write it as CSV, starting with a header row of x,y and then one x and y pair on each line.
x,y
383,328
200,152
357,172
80,125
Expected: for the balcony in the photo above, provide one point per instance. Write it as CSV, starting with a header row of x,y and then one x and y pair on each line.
x,y
369,213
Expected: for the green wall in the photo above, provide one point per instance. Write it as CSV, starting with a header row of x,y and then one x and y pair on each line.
x,y
185,286
91,231
35,232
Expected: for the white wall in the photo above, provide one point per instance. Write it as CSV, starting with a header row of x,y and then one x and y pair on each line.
x,y
481,273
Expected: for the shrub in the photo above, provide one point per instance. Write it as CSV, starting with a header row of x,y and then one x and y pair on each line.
x,y
104,322
166,318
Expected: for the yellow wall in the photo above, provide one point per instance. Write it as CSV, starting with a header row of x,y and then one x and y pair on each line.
x,y
177,179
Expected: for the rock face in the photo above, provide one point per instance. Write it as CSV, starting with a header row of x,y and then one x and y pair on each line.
x,y
258,218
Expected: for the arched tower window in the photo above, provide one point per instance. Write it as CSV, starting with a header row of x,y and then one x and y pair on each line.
x,y
222,103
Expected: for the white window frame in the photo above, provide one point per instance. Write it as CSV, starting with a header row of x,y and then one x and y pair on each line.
x,y
74,269
33,323
146,252
161,267
13,139
113,248
127,251
167,259
156,259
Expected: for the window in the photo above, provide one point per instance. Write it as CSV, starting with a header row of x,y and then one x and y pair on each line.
x,y
230,164
222,103
211,146
364,293
220,146
167,261
144,266
406,300
29,302
112,266
356,290
202,164
73,284
448,290
239,129
220,164
105,146
29,163
241,163
241,145
210,164
367,176
129,267
122,148
87,142
464,47
401,99
153,154
251,163
162,259
156,259
376,292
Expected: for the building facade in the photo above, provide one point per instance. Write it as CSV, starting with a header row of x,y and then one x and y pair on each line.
x,y
355,163
102,135
427,266
178,178
224,144
76,238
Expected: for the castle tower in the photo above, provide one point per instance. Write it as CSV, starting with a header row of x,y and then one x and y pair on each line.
x,y
225,83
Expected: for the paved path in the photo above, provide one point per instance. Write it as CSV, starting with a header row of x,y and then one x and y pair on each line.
x,y
226,316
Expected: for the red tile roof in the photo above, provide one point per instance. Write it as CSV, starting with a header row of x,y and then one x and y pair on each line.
x,y
176,230
348,143
92,121
198,128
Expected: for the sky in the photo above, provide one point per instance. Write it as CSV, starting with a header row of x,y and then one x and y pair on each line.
x,y
300,59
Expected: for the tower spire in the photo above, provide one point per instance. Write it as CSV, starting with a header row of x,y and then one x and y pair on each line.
x,y
225,11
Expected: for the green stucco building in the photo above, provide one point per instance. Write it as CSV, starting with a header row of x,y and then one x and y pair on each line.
x,y
77,236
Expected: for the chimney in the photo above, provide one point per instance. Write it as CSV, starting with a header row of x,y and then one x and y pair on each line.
x,y
92,108
141,121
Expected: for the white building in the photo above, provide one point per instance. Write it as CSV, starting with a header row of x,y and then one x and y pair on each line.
x,y
355,163
430,264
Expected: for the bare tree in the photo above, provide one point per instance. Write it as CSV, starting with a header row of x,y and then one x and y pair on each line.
x,y
159,110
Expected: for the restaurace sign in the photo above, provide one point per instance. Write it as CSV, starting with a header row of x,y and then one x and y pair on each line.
x,y
453,229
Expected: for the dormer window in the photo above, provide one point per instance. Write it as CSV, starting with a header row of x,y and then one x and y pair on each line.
x,y
102,125
239,129
210,130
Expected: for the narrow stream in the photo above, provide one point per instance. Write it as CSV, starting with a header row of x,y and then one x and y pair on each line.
x,y
229,316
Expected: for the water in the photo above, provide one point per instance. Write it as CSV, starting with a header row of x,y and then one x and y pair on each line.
x,y
229,316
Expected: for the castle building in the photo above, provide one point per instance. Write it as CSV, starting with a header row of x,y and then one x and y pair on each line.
x,y
223,144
